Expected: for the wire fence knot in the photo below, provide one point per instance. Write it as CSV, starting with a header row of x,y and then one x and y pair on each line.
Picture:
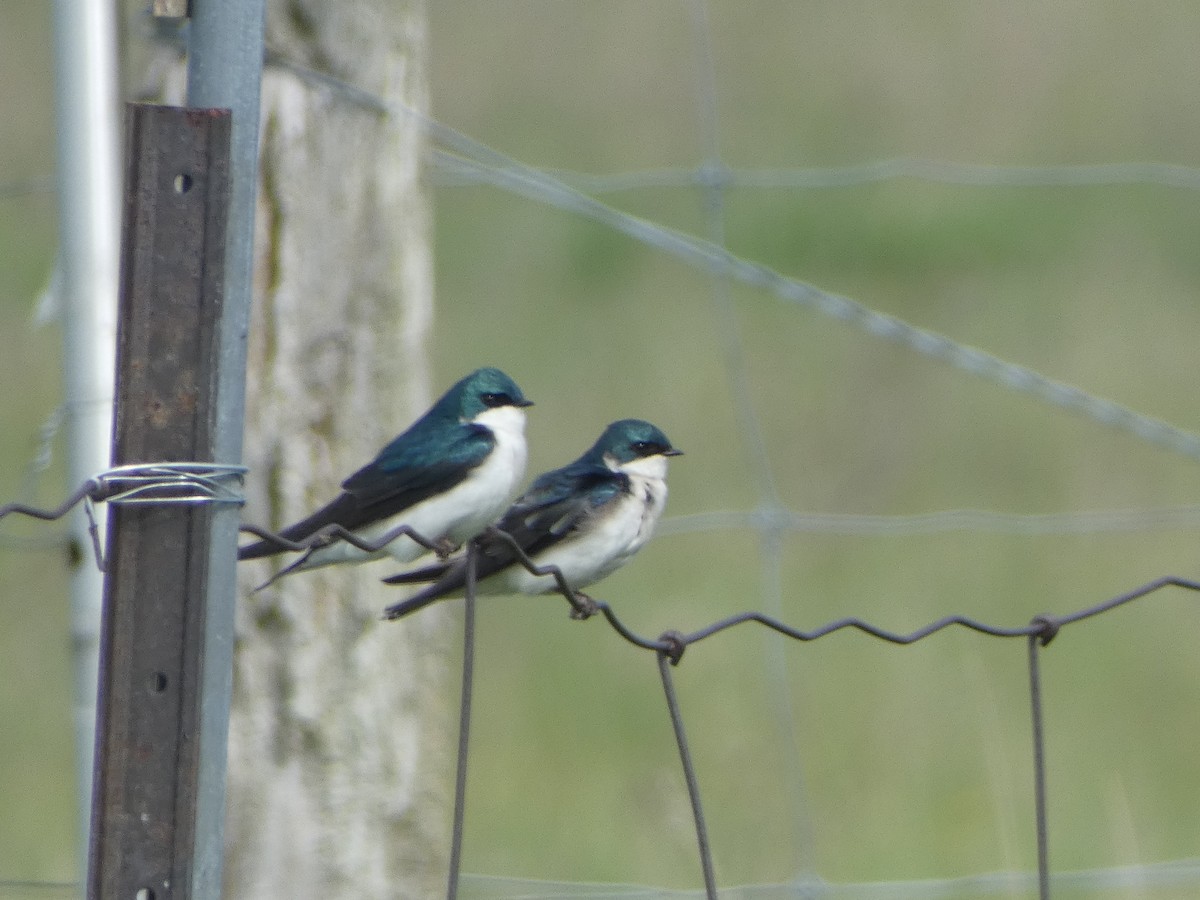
x,y
671,645
1047,628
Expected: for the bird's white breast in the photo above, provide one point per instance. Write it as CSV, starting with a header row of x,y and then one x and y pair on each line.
x,y
475,502
485,494
614,537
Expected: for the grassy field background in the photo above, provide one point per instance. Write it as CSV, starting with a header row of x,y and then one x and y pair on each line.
x,y
865,761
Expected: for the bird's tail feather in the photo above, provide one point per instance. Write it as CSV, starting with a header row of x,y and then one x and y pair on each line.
x,y
417,576
412,604
258,549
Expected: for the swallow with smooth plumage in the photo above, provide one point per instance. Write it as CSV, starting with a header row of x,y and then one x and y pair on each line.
x,y
449,476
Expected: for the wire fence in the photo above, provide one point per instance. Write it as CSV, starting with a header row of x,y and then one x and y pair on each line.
x,y
459,160
460,154
188,483
184,483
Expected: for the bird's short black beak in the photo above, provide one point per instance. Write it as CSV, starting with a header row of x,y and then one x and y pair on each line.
x,y
674,451
522,403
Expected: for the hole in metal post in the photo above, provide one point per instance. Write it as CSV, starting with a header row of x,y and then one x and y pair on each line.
x,y
183,183
158,682
144,894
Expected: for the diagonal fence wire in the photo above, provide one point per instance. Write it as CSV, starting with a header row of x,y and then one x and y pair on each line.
x,y
948,172
458,153
703,254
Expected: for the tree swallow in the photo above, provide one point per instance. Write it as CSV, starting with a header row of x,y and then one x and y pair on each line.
x,y
449,476
587,518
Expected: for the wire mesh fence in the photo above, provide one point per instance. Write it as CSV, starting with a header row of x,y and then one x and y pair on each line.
x,y
195,483
459,160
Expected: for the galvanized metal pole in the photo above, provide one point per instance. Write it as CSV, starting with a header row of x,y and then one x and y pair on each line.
x,y
88,185
225,57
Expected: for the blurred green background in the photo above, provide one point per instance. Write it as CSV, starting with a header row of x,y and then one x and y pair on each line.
x,y
847,758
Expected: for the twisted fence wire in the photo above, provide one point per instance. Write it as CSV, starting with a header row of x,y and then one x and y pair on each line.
x,y
669,648
194,483
189,484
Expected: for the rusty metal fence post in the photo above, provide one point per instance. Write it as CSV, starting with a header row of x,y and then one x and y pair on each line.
x,y
149,726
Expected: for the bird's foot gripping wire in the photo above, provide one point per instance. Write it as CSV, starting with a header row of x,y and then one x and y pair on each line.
x,y
583,607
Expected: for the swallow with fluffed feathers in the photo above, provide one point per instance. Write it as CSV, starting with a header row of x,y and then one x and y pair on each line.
x,y
587,519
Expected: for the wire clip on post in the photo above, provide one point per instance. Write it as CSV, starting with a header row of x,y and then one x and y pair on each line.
x,y
160,484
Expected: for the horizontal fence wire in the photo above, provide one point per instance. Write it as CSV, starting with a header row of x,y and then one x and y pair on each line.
x,y
194,483
949,172
768,518
772,519
1181,873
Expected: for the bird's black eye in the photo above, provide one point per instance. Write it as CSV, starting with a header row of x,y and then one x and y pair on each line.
x,y
646,448
491,400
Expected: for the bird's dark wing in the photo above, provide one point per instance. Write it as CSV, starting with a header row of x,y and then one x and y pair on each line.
x,y
410,469
557,505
